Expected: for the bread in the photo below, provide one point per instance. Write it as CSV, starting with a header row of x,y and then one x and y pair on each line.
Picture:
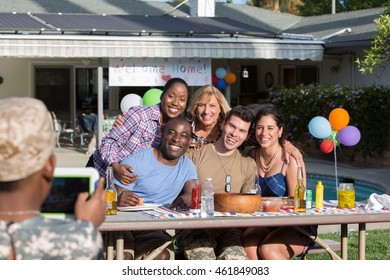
x,y
140,202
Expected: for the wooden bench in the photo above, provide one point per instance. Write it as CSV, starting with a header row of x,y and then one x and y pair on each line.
x,y
328,246
333,245
321,246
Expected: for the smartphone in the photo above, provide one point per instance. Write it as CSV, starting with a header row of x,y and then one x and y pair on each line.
x,y
67,184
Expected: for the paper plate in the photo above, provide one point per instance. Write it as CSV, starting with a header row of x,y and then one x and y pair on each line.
x,y
146,206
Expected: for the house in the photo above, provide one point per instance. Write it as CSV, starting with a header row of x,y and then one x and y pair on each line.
x,y
60,52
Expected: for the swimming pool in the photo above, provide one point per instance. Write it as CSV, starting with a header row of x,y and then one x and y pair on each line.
x,y
363,188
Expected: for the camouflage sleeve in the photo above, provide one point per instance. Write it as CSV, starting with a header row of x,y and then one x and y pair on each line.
x,y
55,239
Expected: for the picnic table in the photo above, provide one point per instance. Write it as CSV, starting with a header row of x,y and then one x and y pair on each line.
x,y
163,218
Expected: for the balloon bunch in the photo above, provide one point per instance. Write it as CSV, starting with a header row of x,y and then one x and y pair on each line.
x,y
335,130
151,97
222,78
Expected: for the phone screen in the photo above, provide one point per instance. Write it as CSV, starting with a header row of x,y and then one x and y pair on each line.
x,y
63,194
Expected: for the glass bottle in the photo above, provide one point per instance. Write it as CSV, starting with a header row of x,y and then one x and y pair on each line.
x,y
299,193
195,195
256,189
111,194
207,199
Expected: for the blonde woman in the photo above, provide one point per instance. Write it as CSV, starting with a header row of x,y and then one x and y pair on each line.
x,y
206,112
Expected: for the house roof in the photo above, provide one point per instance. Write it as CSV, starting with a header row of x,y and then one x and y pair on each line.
x,y
360,22
253,27
114,7
132,28
93,24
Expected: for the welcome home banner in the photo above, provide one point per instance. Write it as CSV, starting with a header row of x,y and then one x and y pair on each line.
x,y
157,71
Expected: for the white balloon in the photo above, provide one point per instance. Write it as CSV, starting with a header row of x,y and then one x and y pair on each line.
x,y
129,101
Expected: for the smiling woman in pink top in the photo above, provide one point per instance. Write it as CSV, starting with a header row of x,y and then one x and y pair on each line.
x,y
142,128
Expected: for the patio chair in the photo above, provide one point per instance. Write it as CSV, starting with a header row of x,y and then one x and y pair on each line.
x,y
61,130
56,127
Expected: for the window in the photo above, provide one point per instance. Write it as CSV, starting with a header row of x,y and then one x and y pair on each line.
x,y
248,85
52,86
293,75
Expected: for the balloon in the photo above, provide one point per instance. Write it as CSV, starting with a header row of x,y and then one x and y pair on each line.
x,y
349,135
327,146
220,73
230,78
319,127
221,84
214,80
129,101
152,96
338,118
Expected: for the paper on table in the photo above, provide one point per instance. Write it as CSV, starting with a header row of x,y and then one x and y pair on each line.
x,y
378,202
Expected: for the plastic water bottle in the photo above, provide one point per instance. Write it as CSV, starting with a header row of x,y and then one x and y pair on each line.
x,y
207,199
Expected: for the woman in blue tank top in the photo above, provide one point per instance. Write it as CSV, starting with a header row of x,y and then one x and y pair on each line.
x,y
276,178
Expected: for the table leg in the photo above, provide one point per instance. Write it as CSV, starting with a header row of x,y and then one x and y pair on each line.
x,y
119,245
362,242
344,241
110,245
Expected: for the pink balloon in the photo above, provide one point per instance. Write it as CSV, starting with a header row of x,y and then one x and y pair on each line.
x,y
214,80
349,136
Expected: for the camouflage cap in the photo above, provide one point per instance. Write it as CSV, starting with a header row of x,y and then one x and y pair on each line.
x,y
27,137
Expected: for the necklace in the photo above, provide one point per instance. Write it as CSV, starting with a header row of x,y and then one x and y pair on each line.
x,y
20,212
228,178
264,167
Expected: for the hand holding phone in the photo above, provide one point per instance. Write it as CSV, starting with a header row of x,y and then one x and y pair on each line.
x,y
67,184
93,209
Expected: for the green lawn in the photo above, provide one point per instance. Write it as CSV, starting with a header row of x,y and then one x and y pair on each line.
x,y
377,245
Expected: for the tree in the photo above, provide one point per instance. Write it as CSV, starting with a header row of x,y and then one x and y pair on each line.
x,y
379,53
286,6
317,7
352,5
321,7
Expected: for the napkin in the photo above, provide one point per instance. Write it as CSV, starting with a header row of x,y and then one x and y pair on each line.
x,y
378,202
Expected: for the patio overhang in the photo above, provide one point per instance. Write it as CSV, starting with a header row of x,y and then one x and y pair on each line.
x,y
54,46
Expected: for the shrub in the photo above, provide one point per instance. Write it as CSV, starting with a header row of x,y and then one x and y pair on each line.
x,y
368,108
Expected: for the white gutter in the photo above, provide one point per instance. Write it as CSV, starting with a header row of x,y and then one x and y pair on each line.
x,y
342,31
157,39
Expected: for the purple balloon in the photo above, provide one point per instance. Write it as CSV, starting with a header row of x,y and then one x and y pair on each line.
x,y
349,135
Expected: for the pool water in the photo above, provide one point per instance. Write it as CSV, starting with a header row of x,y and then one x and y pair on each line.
x,y
363,189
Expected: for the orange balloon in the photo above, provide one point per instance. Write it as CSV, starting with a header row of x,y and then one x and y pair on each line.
x,y
230,78
338,118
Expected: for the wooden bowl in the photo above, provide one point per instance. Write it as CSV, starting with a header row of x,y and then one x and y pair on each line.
x,y
237,202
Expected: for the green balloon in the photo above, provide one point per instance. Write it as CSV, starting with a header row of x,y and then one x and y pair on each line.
x,y
152,96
